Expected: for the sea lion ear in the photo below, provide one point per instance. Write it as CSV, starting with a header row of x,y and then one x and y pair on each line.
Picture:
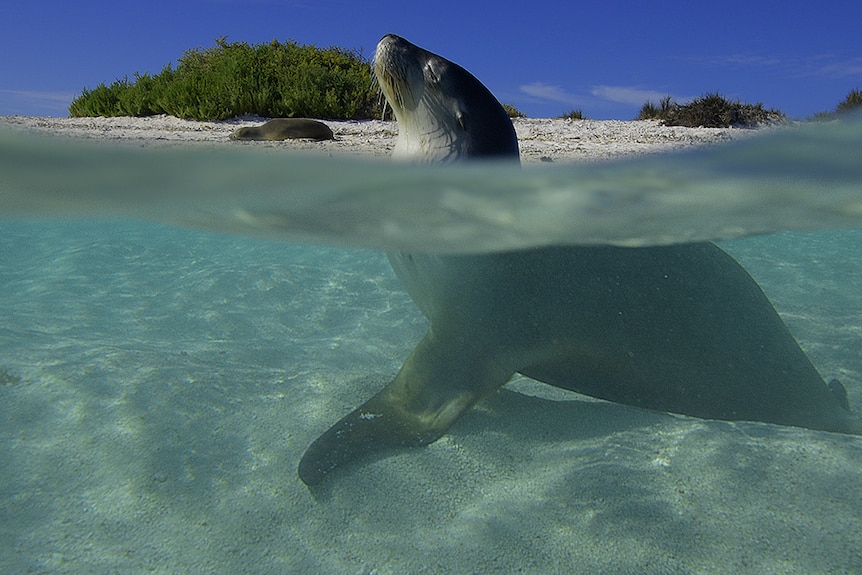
x,y
461,117
431,75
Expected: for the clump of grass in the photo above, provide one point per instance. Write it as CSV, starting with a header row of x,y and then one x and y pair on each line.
x,y
710,111
853,101
573,115
279,79
660,111
513,111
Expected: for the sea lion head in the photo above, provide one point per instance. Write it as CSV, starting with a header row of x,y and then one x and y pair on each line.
x,y
443,112
246,133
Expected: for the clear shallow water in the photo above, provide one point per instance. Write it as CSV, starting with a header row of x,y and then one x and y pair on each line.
x,y
158,386
161,384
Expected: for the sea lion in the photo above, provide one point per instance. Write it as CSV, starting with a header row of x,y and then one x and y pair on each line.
x,y
285,129
678,328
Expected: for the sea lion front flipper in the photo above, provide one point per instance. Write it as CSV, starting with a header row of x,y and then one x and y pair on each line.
x,y
439,381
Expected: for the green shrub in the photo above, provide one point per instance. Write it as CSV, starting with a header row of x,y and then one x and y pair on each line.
x,y
513,111
710,111
853,101
279,79
573,115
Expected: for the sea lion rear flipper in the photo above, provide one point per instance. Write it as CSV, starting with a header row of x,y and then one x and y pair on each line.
x,y
437,383
839,393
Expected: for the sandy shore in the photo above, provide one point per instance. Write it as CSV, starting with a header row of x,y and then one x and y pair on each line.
x,y
541,140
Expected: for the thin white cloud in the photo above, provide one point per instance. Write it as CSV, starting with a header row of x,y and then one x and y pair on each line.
x,y
628,94
549,92
31,102
750,60
838,69
33,95
816,65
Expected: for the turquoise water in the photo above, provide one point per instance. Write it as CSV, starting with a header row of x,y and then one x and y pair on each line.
x,y
158,384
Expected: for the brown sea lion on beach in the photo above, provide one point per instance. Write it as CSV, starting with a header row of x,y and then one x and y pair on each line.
x,y
285,129
677,328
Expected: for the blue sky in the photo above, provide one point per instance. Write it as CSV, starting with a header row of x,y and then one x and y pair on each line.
x,y
547,58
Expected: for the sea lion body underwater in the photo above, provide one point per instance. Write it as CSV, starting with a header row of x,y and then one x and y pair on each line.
x,y
679,328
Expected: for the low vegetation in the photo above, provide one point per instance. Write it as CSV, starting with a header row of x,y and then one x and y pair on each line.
x,y
290,80
710,111
852,102
279,79
513,111
660,111
573,115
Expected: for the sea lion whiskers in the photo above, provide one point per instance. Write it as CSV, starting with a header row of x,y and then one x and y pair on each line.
x,y
393,80
382,102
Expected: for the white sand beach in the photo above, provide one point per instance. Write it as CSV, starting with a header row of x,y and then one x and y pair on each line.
x,y
158,387
540,139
